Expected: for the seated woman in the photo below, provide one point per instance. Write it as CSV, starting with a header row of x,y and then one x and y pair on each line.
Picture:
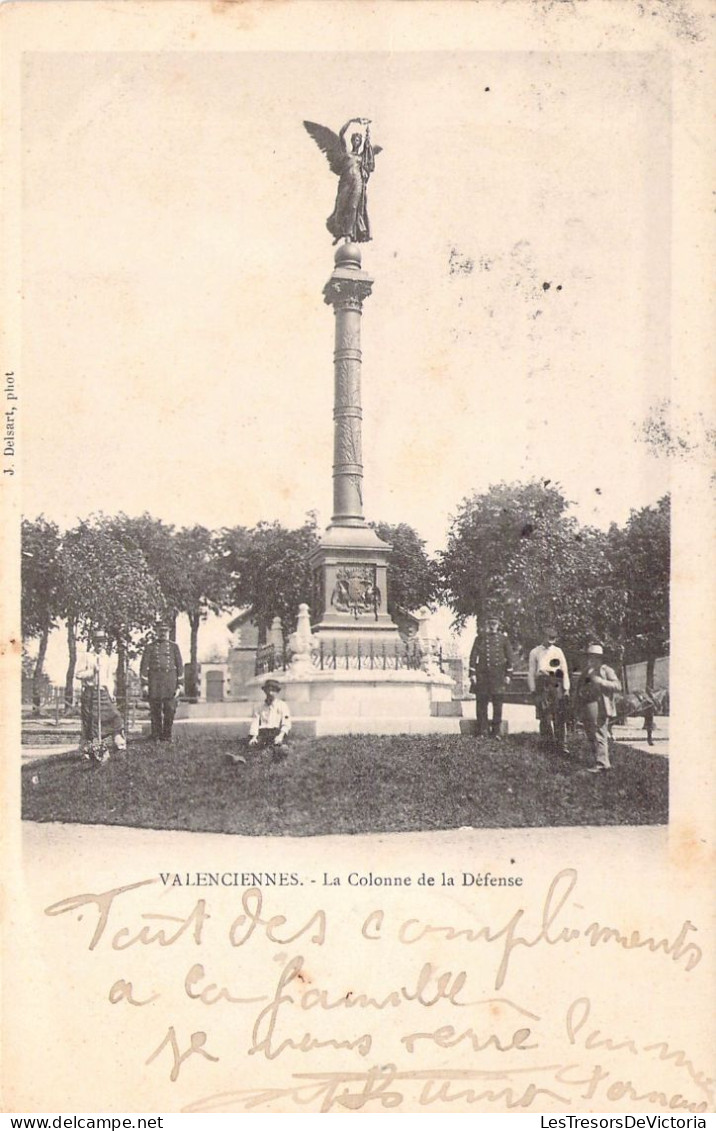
x,y
100,716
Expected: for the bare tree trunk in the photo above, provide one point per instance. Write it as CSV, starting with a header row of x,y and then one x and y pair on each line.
x,y
38,672
650,664
125,713
72,649
121,676
193,688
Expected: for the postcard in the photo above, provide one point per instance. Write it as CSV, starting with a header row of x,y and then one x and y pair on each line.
x,y
333,789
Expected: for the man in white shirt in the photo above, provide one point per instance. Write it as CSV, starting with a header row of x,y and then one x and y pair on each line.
x,y
271,722
548,680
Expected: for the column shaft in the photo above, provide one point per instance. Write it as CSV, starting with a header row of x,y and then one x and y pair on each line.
x,y
345,291
347,418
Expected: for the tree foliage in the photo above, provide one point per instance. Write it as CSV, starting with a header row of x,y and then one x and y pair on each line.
x,y
269,570
412,575
41,589
515,551
205,585
41,577
158,542
641,554
107,583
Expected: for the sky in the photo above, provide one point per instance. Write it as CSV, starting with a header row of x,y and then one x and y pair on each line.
x,y
177,352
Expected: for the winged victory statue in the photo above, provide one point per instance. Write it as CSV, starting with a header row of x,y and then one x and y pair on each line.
x,y
353,162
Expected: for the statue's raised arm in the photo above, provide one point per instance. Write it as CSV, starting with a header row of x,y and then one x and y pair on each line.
x,y
352,158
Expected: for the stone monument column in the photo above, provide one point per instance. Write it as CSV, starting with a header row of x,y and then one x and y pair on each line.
x,y
350,568
345,291
350,673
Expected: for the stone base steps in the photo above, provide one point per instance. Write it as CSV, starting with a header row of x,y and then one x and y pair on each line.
x,y
326,724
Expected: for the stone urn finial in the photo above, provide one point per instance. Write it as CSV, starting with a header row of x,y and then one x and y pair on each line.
x,y
428,661
301,642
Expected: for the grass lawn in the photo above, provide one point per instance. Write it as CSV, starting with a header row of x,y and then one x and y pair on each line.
x,y
347,784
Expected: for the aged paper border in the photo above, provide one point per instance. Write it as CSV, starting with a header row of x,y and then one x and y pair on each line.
x,y
650,875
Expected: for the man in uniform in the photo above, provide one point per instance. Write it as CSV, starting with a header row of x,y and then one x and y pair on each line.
x,y
162,675
548,680
490,670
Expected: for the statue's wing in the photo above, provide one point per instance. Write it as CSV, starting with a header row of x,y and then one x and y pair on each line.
x,y
329,143
377,149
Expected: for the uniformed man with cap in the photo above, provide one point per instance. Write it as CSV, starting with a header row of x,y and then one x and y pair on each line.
x,y
271,723
490,668
162,676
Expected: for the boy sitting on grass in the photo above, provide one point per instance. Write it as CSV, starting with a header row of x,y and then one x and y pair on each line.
x,y
270,725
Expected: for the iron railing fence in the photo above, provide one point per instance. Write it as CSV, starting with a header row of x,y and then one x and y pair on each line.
x,y
270,659
349,656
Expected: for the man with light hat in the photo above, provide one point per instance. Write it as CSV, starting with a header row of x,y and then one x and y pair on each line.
x,y
594,692
271,722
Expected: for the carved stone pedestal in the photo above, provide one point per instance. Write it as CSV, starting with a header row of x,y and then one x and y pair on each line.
x,y
350,588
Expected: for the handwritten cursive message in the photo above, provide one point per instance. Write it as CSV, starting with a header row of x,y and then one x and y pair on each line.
x,y
252,990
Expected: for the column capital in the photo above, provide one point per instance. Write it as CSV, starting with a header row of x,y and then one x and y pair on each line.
x,y
347,291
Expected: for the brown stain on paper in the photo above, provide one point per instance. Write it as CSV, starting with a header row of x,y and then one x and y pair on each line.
x,y
689,850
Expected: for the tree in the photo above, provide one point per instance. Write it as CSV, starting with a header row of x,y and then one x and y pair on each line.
x,y
517,552
41,589
269,570
412,576
641,556
158,542
71,629
205,586
563,573
108,586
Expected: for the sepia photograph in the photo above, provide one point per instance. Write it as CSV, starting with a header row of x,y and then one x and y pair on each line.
x,y
349,619
343,420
